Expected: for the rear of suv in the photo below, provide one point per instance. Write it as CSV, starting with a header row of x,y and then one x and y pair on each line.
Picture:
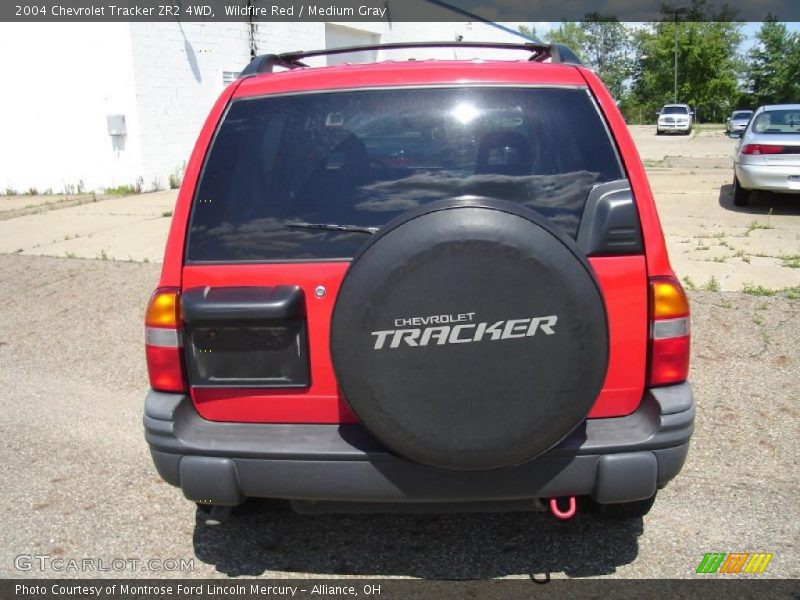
x,y
418,284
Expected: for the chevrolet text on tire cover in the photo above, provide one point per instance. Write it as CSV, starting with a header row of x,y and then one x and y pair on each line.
x,y
415,285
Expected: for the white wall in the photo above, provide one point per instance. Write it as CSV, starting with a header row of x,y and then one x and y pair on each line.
x,y
178,72
164,77
59,83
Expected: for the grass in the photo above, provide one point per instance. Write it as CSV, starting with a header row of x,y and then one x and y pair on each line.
x,y
753,225
689,283
121,190
103,254
758,290
743,255
167,213
791,261
70,254
712,285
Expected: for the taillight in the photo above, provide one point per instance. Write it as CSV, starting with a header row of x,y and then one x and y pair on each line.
x,y
163,344
762,149
669,332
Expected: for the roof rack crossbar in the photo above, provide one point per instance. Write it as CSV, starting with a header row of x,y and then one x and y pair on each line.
x,y
265,63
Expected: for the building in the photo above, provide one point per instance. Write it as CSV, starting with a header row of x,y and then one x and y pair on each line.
x,y
91,106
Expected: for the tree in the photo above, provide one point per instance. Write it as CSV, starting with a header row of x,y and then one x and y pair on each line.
x,y
603,44
708,66
528,31
773,70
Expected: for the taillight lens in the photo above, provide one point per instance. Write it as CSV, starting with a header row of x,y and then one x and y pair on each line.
x,y
762,149
163,344
669,332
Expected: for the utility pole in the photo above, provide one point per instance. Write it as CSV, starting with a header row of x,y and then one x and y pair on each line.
x,y
676,12
675,93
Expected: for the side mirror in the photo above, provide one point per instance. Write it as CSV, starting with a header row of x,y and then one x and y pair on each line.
x,y
658,113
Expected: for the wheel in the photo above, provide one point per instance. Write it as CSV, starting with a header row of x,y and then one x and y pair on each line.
x,y
623,510
689,131
440,384
659,132
741,196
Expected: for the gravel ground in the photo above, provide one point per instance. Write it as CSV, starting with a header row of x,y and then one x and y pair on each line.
x,y
78,481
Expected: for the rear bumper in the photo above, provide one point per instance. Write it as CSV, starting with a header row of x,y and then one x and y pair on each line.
x,y
613,460
774,178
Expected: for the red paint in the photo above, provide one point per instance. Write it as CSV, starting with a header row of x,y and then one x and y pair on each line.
x,y
416,73
626,294
623,279
655,246
624,287
319,403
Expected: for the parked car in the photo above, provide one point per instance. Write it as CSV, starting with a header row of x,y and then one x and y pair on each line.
x,y
676,118
738,121
422,283
768,155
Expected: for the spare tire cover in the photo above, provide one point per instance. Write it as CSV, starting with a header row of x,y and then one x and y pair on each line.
x,y
469,335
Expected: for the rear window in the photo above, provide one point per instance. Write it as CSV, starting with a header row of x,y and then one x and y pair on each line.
x,y
778,121
280,167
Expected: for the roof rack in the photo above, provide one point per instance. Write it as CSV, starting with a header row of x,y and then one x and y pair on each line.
x,y
265,63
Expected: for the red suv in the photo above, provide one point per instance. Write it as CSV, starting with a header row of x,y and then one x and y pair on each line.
x,y
418,283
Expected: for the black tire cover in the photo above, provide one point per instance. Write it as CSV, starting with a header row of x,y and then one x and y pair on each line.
x,y
443,338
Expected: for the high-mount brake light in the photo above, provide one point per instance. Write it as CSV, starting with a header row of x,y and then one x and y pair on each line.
x,y
163,343
669,332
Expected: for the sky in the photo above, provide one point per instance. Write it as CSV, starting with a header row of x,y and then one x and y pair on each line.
x,y
749,30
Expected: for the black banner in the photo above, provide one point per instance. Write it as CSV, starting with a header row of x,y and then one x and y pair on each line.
x,y
392,589
394,10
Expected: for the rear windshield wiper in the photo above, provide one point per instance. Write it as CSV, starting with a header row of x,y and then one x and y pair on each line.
x,y
332,227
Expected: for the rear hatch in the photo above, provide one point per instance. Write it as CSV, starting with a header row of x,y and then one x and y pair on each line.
x,y
294,184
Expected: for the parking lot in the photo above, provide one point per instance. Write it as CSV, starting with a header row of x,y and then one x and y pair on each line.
x,y
76,272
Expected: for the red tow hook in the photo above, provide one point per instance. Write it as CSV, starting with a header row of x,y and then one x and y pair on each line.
x,y
563,515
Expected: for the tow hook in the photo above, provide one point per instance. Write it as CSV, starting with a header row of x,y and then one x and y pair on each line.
x,y
563,515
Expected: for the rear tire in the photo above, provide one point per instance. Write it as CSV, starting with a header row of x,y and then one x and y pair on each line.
x,y
741,196
621,511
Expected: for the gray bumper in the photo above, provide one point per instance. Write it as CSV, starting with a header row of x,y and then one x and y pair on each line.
x,y
613,460
774,178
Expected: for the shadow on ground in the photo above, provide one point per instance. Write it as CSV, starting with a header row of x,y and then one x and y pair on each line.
x,y
761,203
262,536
